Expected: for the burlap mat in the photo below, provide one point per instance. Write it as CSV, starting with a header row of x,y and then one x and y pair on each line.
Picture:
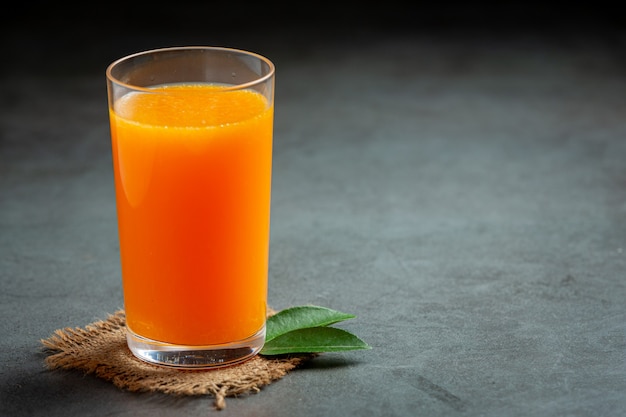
x,y
100,348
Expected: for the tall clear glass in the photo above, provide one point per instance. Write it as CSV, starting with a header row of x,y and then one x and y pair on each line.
x,y
191,136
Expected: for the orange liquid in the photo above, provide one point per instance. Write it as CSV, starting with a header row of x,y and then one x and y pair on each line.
x,y
192,174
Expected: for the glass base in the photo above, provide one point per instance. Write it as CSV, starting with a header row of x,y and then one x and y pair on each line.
x,y
194,357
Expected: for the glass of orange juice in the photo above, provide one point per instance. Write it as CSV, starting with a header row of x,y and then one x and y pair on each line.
x,y
191,136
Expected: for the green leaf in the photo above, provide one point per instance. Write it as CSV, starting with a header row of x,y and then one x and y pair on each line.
x,y
301,317
313,340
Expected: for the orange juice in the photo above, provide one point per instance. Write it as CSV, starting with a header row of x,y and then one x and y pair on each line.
x,y
192,168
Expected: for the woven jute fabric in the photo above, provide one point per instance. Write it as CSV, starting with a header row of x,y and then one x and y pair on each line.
x,y
100,349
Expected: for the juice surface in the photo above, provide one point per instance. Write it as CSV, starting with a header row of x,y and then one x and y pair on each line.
x,y
192,170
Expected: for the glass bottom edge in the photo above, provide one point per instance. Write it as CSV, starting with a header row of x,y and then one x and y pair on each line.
x,y
194,357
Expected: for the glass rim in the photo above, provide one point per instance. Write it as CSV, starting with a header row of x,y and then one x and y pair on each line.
x,y
259,80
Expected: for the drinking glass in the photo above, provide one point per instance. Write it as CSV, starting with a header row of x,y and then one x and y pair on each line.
x,y
191,138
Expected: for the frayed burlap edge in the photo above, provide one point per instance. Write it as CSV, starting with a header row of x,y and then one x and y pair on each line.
x,y
100,348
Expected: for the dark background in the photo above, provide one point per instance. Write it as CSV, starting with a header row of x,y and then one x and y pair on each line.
x,y
105,31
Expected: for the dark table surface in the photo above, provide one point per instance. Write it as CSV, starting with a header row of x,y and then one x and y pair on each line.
x,y
460,188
